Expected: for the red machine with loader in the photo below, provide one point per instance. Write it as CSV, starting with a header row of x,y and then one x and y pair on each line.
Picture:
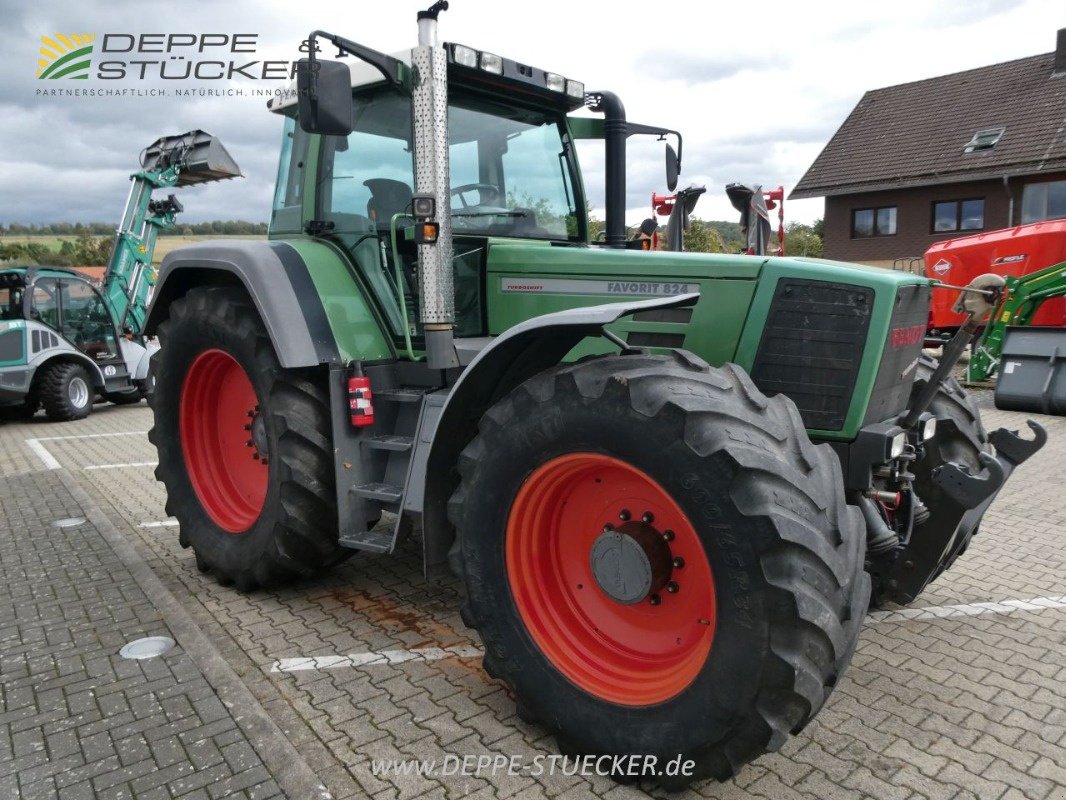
x,y
1010,252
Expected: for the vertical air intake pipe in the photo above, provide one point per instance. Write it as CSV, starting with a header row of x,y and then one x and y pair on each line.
x,y
615,133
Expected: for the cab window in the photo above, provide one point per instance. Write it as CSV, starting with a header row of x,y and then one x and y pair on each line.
x,y
45,303
10,303
85,320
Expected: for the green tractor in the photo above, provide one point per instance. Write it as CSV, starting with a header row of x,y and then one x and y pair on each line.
x,y
63,340
668,480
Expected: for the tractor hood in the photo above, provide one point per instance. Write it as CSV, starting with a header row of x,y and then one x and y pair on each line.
x,y
546,259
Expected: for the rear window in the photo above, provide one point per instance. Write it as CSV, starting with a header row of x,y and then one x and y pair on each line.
x,y
10,303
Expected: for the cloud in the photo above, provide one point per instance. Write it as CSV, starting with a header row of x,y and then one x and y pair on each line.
x,y
699,68
755,93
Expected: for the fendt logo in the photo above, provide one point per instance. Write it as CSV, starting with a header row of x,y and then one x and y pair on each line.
x,y
65,55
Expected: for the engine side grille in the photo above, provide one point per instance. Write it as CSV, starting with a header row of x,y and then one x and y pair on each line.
x,y
812,345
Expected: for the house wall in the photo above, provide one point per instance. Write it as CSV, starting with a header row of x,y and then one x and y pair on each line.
x,y
914,219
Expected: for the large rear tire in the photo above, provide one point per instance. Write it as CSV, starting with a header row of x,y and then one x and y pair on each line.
x,y
659,561
244,446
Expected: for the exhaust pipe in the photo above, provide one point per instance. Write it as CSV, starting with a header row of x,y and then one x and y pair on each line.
x,y
430,106
615,133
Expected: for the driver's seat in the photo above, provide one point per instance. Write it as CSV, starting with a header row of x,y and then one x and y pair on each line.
x,y
387,197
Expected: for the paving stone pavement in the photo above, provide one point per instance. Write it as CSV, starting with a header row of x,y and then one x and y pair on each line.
x,y
932,707
76,719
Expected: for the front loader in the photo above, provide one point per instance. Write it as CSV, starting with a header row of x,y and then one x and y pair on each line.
x,y
669,480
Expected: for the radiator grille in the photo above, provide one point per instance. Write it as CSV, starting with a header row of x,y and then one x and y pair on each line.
x,y
812,345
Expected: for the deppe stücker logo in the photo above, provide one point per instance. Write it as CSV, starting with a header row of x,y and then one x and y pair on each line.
x,y
65,55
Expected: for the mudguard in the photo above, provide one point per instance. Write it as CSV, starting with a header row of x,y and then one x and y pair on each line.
x,y
276,278
516,355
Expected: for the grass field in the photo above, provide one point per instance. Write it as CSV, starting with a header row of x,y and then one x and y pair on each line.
x,y
164,244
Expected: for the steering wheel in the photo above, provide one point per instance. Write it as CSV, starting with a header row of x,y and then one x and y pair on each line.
x,y
494,191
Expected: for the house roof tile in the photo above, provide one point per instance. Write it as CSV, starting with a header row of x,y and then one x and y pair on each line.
x,y
914,134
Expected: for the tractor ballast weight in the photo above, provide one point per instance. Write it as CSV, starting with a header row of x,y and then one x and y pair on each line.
x,y
751,442
199,157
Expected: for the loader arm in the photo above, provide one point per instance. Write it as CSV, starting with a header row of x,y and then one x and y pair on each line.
x,y
1021,298
172,161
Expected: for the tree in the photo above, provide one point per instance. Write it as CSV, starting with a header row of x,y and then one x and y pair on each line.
x,y
703,237
802,240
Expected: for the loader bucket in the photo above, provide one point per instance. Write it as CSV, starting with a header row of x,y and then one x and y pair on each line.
x,y
201,157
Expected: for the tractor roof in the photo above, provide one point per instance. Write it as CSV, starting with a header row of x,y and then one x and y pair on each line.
x,y
20,275
471,68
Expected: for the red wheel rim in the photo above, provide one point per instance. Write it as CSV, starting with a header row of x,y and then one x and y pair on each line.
x,y
226,469
634,655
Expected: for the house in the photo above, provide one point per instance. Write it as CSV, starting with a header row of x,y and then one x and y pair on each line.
x,y
950,156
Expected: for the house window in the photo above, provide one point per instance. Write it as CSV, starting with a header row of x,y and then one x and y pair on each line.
x,y
1044,201
959,215
867,222
983,140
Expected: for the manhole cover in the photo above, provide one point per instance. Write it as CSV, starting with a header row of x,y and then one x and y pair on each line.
x,y
149,647
68,522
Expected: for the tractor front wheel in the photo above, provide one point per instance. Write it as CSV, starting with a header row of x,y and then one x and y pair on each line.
x,y
659,561
244,446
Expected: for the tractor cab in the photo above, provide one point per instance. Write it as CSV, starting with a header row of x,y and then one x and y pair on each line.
x,y
61,301
513,176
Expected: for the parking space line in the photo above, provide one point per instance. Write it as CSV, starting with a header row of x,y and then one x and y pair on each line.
x,y
121,466
42,453
50,461
391,657
967,609
163,523
90,436
376,658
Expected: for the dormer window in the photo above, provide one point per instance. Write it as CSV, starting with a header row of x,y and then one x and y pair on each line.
x,y
983,140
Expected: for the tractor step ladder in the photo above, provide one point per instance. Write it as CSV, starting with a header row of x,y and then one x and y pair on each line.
x,y
387,459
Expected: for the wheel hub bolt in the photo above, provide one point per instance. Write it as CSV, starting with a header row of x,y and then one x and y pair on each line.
x,y
672,587
668,535
648,517
624,515
679,562
655,599
608,527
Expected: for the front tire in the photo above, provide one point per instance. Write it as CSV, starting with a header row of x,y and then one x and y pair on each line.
x,y
740,641
245,450
66,391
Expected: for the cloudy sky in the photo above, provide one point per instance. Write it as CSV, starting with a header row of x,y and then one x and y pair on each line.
x,y
756,88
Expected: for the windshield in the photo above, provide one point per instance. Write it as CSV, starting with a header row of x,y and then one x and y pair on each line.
x,y
510,174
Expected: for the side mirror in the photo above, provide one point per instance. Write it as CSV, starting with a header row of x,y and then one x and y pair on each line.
x,y
325,96
672,168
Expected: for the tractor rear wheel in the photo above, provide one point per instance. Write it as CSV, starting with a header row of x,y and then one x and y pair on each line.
x,y
244,446
66,391
659,561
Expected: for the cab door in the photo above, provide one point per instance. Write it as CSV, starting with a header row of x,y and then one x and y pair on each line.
x,y
85,321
